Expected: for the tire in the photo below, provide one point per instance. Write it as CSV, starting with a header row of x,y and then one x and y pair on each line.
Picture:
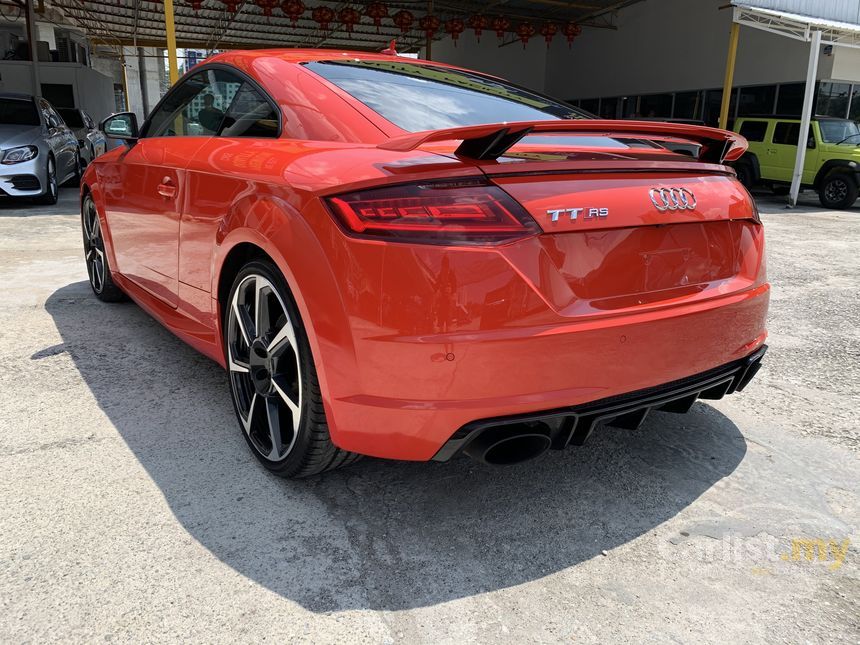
x,y
745,174
272,378
838,191
52,190
95,256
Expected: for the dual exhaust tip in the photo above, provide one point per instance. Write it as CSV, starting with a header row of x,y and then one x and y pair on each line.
x,y
510,444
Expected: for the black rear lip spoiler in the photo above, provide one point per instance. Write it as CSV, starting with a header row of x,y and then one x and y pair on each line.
x,y
573,425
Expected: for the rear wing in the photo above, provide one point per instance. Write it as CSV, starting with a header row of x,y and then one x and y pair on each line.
x,y
492,140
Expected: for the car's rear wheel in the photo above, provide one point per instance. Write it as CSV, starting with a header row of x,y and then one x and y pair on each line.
x,y
51,187
95,256
746,176
272,377
838,190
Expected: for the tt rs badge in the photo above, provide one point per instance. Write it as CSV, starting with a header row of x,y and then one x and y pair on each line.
x,y
577,213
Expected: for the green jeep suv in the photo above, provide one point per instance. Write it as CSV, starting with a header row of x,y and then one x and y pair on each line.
x,y
832,166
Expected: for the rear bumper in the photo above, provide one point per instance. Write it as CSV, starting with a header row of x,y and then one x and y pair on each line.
x,y
433,388
573,425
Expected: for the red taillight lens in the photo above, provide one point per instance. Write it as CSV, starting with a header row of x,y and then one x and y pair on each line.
x,y
437,213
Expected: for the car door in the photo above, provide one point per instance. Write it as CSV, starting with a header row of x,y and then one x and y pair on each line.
x,y
144,191
250,122
782,152
61,141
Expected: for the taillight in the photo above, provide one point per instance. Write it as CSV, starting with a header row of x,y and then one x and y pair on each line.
x,y
473,212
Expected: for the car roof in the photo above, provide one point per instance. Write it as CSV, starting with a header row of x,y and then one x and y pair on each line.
x,y
298,56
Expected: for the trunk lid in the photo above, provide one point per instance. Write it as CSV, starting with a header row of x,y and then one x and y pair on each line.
x,y
619,240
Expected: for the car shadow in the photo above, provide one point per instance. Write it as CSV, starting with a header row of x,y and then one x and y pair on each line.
x,y
378,535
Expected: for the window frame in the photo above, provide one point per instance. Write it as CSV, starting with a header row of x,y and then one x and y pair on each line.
x,y
240,75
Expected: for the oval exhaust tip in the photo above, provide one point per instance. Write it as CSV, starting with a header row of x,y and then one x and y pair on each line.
x,y
510,445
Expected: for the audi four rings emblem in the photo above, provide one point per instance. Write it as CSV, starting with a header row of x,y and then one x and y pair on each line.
x,y
672,199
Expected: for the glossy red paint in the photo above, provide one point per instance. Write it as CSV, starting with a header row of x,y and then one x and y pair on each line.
x,y
412,341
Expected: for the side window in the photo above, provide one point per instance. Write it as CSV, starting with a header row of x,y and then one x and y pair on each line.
x,y
56,119
250,115
753,130
45,109
785,133
196,106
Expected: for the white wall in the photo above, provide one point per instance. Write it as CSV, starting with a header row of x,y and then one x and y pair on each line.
x,y
659,46
523,67
672,45
92,91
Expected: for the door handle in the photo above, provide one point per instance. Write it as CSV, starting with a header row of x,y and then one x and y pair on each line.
x,y
166,188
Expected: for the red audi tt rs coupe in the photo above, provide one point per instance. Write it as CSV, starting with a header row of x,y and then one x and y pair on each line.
x,y
403,259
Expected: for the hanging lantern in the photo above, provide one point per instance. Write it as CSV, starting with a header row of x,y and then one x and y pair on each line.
x,y
267,6
548,31
377,11
293,9
478,23
323,15
196,5
571,30
349,17
500,25
429,25
404,20
525,30
231,5
455,27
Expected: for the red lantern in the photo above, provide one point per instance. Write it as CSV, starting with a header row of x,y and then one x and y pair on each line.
x,y
571,30
293,9
525,30
232,5
323,15
455,27
501,24
548,30
478,23
377,11
429,25
196,5
404,20
267,6
349,17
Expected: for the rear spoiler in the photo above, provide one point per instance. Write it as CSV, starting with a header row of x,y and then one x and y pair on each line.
x,y
492,140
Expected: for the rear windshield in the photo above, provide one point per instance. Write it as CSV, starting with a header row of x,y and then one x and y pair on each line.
x,y
18,112
72,118
423,97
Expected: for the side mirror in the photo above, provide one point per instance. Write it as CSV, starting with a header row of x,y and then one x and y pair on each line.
x,y
810,142
122,125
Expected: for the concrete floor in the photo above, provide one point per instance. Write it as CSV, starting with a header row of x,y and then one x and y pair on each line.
x,y
132,510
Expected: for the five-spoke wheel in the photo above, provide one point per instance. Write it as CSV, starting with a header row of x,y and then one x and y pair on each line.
x,y
94,254
265,372
272,377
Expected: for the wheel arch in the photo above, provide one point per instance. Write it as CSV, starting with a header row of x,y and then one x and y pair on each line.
x,y
272,229
850,167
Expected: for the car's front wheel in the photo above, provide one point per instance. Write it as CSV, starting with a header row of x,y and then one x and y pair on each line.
x,y
95,256
272,377
51,187
838,190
